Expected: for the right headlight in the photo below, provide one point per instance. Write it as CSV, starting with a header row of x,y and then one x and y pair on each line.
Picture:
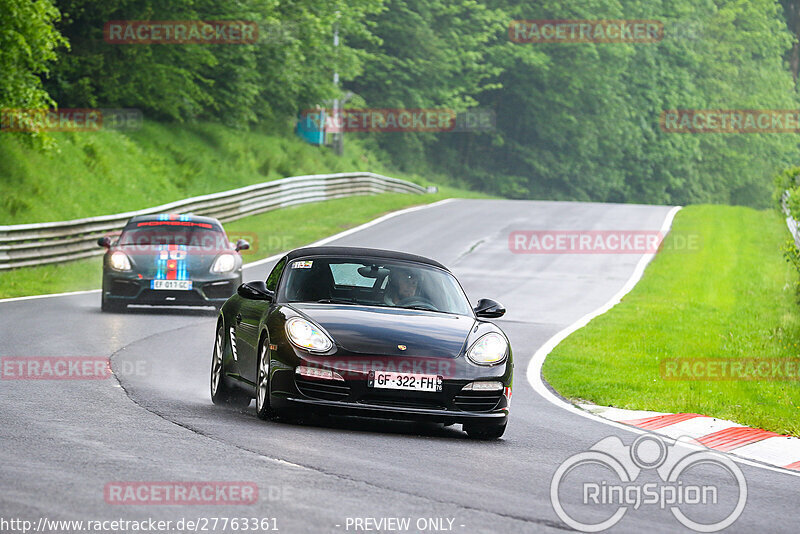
x,y
490,349
119,261
307,335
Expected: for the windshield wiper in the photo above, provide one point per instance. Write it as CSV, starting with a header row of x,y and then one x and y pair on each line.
x,y
336,301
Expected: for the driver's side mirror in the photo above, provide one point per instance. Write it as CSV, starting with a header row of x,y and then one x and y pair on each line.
x,y
255,291
104,242
489,309
242,245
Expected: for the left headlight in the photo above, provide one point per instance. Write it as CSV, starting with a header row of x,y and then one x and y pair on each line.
x,y
224,263
306,335
119,261
490,349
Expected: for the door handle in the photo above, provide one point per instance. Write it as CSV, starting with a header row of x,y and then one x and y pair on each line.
x,y
238,318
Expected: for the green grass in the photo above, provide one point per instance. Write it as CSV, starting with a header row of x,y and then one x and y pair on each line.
x,y
106,172
270,233
732,298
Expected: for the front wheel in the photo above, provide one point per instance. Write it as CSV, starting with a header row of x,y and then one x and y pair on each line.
x,y
484,431
263,409
221,392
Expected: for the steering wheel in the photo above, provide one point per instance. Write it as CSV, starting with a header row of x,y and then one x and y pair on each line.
x,y
416,300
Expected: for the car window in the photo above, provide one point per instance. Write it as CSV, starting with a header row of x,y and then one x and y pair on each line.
x,y
275,275
346,274
153,233
385,283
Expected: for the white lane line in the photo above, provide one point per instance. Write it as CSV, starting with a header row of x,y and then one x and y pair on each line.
x,y
49,295
264,260
781,450
534,371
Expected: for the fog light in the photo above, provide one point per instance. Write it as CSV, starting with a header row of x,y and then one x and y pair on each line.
x,y
320,374
483,386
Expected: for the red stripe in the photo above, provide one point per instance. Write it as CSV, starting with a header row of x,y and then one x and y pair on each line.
x,y
660,421
172,265
793,465
731,438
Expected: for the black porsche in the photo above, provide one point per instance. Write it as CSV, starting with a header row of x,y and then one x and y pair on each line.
x,y
363,332
170,259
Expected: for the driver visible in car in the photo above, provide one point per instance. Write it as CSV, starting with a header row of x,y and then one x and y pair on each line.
x,y
402,285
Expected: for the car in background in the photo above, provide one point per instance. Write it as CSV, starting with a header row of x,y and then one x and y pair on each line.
x,y
170,259
364,332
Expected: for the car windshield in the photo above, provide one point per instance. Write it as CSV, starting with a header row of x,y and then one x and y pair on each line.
x,y
190,234
373,283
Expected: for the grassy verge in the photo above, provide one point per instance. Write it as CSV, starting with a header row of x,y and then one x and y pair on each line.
x,y
270,233
105,172
732,299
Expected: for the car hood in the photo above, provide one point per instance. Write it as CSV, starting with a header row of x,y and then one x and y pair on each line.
x,y
377,331
146,260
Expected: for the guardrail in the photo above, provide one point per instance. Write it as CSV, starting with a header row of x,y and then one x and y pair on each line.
x,y
790,222
26,245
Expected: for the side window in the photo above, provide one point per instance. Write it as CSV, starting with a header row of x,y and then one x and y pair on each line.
x,y
275,275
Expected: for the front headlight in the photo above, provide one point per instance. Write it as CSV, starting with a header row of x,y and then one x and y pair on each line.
x,y
225,263
119,261
490,349
306,335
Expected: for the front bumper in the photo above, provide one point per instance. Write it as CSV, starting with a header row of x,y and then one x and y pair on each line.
x,y
128,288
293,393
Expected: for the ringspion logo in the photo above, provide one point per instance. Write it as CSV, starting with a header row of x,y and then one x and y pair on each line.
x,y
593,490
145,32
585,31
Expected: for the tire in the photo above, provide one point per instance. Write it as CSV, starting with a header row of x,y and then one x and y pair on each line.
x,y
263,409
221,392
484,431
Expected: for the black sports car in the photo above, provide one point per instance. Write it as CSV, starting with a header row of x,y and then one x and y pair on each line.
x,y
365,332
170,259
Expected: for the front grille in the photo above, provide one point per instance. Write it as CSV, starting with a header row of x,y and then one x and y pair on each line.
x,y
478,401
219,290
322,389
406,402
124,288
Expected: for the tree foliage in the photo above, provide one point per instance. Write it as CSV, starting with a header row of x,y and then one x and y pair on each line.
x,y
574,120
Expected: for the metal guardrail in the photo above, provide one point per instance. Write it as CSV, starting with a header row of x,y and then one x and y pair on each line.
x,y
790,222
25,245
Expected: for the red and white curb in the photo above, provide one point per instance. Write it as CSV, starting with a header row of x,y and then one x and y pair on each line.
x,y
718,434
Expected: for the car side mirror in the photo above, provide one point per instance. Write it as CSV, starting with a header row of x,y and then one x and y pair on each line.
x,y
104,242
242,245
255,291
489,309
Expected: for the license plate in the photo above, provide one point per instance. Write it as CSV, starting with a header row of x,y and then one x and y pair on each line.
x,y
407,381
175,285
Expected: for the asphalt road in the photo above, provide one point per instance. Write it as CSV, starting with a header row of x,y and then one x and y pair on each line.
x,y
63,441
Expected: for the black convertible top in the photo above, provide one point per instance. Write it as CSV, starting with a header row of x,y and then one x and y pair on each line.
x,y
362,252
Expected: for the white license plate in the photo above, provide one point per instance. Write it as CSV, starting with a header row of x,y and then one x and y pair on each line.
x,y
408,381
175,285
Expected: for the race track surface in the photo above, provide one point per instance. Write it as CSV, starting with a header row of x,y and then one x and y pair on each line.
x,y
64,440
